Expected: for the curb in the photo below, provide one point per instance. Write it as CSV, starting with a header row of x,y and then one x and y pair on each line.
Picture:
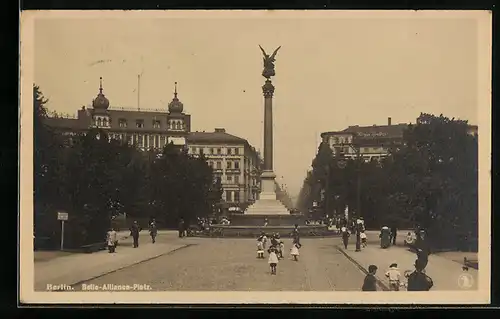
x,y
124,267
379,282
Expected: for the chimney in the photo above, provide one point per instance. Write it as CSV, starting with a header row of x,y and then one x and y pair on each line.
x,y
389,121
220,130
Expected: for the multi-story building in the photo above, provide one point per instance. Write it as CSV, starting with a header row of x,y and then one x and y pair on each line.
x,y
372,142
233,159
145,128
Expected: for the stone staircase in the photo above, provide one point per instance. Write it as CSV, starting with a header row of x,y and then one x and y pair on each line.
x,y
267,207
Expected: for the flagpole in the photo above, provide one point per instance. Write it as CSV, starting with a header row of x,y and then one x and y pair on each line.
x,y
138,92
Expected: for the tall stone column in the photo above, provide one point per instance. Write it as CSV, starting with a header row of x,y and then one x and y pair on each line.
x,y
268,90
268,189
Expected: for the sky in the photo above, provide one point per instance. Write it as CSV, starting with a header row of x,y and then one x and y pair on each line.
x,y
332,70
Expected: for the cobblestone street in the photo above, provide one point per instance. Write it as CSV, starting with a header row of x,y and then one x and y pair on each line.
x,y
231,264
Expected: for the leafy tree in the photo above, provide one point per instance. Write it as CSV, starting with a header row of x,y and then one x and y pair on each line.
x,y
430,180
48,170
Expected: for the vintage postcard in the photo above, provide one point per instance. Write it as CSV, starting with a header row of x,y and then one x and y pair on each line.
x,y
187,157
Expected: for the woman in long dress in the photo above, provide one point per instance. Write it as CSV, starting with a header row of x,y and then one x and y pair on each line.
x,y
385,237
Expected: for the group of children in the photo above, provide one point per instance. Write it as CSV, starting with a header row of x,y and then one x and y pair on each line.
x,y
275,250
415,281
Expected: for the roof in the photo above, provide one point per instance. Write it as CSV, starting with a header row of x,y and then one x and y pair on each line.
x,y
380,131
214,138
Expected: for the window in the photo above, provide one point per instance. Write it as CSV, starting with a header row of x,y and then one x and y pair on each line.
x,y
229,178
228,165
99,123
237,196
236,179
201,151
156,124
237,151
162,140
140,140
228,196
346,149
219,151
211,164
219,165
212,151
139,123
237,164
157,141
229,151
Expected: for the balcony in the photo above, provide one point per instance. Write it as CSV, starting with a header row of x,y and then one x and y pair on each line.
x,y
218,170
233,171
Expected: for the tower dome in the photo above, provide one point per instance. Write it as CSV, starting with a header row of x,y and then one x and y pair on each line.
x,y
100,102
175,106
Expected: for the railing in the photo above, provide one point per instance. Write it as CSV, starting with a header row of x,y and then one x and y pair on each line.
x,y
117,108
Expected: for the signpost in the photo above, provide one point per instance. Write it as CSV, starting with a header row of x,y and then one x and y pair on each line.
x,y
62,216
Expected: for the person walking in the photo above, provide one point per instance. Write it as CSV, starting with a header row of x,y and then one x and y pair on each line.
x,y
181,227
134,232
296,235
423,249
295,251
418,280
394,233
112,240
370,283
345,236
394,277
153,230
273,260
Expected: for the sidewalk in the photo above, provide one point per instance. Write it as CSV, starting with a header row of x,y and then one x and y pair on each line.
x,y
76,268
47,255
445,273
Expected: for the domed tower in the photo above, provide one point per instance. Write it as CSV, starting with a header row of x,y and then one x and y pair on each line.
x,y
100,117
176,116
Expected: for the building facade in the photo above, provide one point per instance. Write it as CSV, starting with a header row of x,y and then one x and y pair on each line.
x,y
372,142
233,159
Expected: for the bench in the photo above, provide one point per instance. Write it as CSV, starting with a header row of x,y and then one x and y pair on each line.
x,y
471,262
92,248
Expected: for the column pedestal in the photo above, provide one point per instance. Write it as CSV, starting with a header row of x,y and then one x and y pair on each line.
x,y
267,203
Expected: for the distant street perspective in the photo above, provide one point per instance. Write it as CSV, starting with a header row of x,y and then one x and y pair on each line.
x,y
138,199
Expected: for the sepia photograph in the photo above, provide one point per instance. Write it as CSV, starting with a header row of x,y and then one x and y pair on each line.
x,y
255,157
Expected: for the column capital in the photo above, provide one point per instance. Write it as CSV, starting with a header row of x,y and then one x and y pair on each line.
x,y
268,89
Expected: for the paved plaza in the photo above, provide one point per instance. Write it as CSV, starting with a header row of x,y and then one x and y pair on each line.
x,y
227,264
231,264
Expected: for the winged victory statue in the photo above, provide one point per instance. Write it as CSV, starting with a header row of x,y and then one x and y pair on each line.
x,y
269,63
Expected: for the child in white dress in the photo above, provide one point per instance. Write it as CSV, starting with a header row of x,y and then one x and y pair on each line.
x,y
260,247
273,260
295,251
362,235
